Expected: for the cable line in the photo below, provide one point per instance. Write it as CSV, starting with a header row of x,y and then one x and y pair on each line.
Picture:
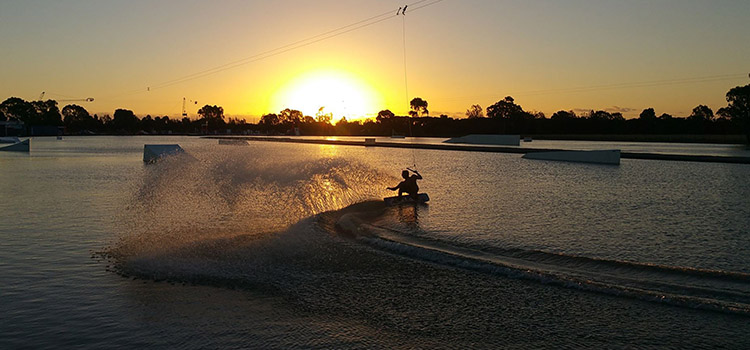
x,y
653,83
281,49
406,80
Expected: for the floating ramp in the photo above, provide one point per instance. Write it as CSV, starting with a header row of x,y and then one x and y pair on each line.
x,y
478,139
611,157
9,139
499,149
152,153
23,146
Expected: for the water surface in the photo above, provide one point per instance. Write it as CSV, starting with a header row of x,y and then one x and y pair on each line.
x,y
248,247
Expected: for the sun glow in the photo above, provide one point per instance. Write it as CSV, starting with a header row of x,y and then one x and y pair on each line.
x,y
328,92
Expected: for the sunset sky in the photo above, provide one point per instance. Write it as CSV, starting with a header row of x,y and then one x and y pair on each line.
x,y
623,55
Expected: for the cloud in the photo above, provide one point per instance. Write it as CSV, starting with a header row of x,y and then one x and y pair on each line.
x,y
619,109
612,109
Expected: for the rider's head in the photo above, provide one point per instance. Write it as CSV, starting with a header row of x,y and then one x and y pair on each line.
x,y
405,174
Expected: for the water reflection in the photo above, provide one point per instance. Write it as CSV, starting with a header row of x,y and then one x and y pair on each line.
x,y
329,150
409,215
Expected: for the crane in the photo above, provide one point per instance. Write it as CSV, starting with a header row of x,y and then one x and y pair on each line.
x,y
87,99
184,111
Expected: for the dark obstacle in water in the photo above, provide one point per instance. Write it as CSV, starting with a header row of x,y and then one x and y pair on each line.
x,y
492,149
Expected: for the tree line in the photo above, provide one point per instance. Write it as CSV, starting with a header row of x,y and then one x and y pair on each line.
x,y
76,120
503,117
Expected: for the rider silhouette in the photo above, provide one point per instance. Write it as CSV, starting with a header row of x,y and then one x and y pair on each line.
x,y
409,185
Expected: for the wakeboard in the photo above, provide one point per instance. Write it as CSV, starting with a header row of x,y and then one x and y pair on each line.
x,y
421,198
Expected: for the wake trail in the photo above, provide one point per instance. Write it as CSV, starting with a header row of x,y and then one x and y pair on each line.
x,y
722,291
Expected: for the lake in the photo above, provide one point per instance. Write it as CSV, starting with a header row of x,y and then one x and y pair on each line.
x,y
281,245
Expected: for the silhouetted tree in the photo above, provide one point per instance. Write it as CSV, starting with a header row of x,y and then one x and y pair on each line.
x,y
107,120
32,113
124,120
269,119
504,109
212,117
701,113
563,122
598,115
162,124
323,117
665,116
647,114
475,111
646,122
343,127
18,109
604,115
536,115
290,116
47,113
77,118
147,123
418,107
738,108
384,114
187,125
564,115
211,112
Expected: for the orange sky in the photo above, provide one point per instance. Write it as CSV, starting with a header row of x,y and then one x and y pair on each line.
x,y
617,55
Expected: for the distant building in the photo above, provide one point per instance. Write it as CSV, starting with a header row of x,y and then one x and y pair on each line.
x,y
44,130
12,128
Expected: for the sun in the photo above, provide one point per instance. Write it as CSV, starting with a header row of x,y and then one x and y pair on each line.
x,y
331,92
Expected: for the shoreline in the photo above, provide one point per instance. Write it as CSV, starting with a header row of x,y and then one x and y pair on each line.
x,y
660,138
489,149
666,138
